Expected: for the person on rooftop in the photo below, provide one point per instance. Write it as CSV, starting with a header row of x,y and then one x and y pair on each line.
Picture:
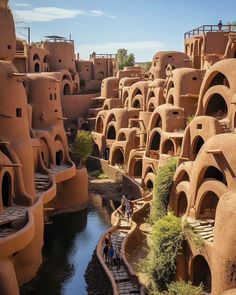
x,y
220,25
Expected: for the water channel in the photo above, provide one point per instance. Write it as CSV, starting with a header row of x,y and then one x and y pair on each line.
x,y
69,244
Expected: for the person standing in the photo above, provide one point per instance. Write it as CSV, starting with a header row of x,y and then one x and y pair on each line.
x,y
111,253
127,209
220,25
123,203
118,258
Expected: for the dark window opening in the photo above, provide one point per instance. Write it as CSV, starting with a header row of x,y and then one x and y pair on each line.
x,y
111,134
6,190
182,204
59,157
18,112
197,145
106,153
155,144
199,126
66,89
9,46
37,68
194,78
55,96
149,185
213,172
203,276
59,60
219,79
50,96
208,206
175,113
217,107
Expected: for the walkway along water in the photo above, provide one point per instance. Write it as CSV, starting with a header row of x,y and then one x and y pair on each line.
x,y
69,244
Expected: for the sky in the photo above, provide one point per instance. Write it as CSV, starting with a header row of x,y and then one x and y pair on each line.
x,y
143,27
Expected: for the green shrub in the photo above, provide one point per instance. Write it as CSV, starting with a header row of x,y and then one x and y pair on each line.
x,y
165,242
190,235
162,186
182,288
82,147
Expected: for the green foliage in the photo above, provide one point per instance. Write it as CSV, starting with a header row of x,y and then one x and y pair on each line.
x,y
147,66
182,288
162,186
98,174
124,59
189,119
189,233
82,147
165,242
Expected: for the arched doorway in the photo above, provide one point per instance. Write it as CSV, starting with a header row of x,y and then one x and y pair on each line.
x,y
107,153
198,143
201,273
118,157
168,147
111,134
182,204
217,107
37,67
66,89
59,157
149,185
138,166
208,206
6,190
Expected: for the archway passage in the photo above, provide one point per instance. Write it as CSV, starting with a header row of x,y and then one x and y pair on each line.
x,y
6,190
217,107
198,143
213,172
208,206
37,67
111,134
138,166
106,153
118,157
149,185
182,204
219,79
66,89
59,157
201,273
155,143
137,104
169,148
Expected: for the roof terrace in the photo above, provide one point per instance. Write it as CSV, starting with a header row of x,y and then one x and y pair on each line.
x,y
210,28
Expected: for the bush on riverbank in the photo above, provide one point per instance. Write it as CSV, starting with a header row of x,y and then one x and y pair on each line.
x,y
162,187
165,242
82,147
182,288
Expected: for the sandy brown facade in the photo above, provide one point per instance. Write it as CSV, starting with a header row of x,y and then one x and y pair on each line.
x,y
186,109
36,175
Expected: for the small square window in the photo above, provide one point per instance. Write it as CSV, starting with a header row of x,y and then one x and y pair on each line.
x,y
9,46
50,96
59,60
199,126
18,112
195,78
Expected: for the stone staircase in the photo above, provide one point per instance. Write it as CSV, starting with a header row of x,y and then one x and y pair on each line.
x,y
121,276
203,228
42,183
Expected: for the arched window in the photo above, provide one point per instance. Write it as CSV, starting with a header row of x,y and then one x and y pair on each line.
x,y
198,143
168,147
111,133
155,143
37,67
213,172
217,107
182,204
59,157
219,79
66,89
6,189
201,273
208,206
118,157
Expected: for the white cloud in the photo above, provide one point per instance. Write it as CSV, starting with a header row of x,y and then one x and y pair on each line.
x,y
45,14
22,5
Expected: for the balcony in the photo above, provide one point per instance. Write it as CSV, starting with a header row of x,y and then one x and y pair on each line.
x,y
210,28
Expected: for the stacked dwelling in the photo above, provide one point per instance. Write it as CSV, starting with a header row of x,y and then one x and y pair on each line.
x,y
80,80
186,109
36,173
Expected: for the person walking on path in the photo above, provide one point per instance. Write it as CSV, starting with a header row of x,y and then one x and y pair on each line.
x,y
111,254
105,253
123,203
127,210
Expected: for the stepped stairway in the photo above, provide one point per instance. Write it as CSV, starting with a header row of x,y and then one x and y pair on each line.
x,y
121,276
42,183
203,228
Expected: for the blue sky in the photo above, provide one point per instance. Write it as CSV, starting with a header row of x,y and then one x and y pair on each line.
x,y
103,26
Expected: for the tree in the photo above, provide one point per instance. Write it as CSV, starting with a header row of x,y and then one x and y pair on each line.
x,y
147,66
124,59
82,147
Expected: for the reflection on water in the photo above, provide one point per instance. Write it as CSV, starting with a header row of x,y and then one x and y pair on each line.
x,y
69,244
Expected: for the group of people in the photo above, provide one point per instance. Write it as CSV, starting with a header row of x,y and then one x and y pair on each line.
x,y
111,256
127,206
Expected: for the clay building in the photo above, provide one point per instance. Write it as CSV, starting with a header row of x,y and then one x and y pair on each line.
x,y
185,109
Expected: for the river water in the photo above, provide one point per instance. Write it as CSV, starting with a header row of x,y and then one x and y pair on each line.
x,y
69,244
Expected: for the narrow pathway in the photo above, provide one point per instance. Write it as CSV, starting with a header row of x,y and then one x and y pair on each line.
x,y
121,276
